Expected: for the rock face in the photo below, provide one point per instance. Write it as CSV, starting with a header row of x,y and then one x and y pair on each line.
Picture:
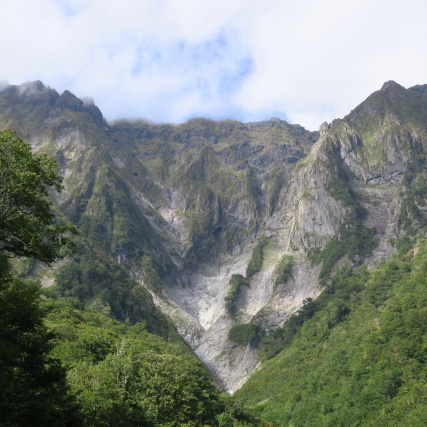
x,y
193,200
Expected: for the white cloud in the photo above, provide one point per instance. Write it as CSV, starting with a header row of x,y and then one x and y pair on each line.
x,y
168,60
318,60
4,84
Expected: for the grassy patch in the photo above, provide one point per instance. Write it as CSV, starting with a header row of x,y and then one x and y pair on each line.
x,y
257,258
307,196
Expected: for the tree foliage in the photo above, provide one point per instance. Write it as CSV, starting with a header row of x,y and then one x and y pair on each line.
x,y
33,390
236,283
26,218
96,280
243,333
122,375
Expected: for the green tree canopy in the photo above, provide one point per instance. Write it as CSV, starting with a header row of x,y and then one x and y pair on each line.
x,y
26,219
33,388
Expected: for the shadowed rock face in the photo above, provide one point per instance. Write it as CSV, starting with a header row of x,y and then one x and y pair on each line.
x,y
195,198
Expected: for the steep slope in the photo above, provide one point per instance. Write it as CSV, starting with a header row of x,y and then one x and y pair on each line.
x,y
358,191
186,208
221,184
358,356
346,201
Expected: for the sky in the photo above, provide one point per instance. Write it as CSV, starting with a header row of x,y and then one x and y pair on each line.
x,y
304,61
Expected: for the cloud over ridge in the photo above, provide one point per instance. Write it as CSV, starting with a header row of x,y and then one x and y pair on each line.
x,y
171,60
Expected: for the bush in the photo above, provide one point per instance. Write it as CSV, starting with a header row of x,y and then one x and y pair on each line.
x,y
257,258
283,271
243,333
236,282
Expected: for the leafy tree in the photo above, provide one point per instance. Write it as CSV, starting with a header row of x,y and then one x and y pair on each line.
x,y
32,385
26,219
125,376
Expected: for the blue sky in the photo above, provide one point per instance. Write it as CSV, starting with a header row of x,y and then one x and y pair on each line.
x,y
170,60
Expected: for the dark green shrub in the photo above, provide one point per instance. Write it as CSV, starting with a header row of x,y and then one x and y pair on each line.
x,y
236,282
243,333
283,271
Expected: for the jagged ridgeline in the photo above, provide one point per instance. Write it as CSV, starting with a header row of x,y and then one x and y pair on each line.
x,y
183,211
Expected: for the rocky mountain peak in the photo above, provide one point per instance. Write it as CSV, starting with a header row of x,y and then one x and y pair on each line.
x,y
391,85
35,93
69,101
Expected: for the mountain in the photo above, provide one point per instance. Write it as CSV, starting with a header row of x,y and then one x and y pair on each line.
x,y
231,226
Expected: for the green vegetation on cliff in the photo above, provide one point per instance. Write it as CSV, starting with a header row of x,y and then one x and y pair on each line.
x,y
243,333
353,240
98,281
283,270
357,356
236,283
257,258
412,215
